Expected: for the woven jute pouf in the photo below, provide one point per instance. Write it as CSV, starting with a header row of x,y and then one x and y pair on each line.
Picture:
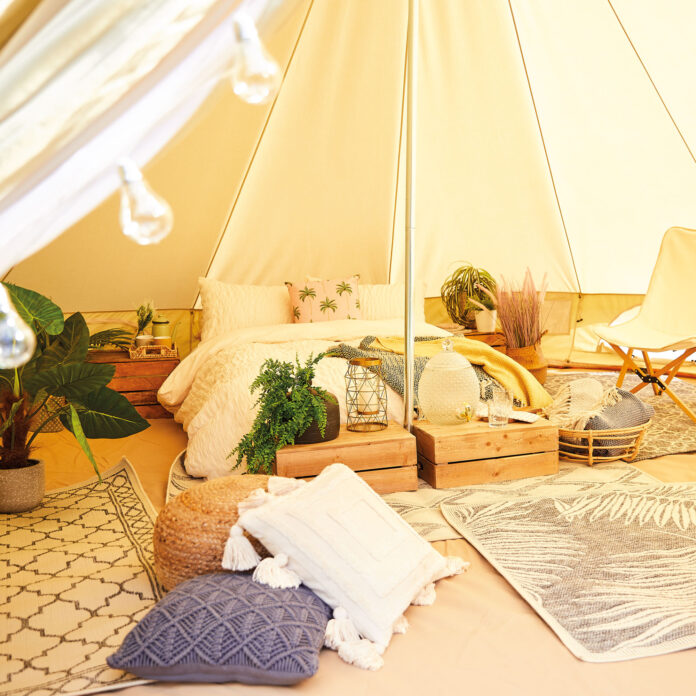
x,y
191,530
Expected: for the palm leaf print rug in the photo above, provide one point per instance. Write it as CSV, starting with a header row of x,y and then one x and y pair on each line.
x,y
612,570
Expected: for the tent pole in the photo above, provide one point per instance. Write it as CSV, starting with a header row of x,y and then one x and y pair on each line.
x,y
411,90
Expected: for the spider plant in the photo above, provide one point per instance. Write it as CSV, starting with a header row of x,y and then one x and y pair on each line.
x,y
460,291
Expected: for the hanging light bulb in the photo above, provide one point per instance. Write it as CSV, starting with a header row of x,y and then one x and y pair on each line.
x,y
145,217
255,75
17,340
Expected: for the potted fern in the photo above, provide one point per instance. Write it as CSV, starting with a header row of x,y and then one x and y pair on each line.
x,y
58,369
291,411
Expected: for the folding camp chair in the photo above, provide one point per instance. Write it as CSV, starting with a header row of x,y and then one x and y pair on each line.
x,y
666,320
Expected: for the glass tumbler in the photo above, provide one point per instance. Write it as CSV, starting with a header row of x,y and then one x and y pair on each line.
x,y
499,408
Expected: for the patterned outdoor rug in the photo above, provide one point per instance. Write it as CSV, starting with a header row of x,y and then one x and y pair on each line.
x,y
671,430
421,508
75,575
611,570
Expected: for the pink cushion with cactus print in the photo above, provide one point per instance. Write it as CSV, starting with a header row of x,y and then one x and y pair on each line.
x,y
324,300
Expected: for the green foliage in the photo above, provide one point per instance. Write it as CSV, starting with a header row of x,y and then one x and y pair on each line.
x,y
144,314
288,405
460,289
58,368
111,337
36,310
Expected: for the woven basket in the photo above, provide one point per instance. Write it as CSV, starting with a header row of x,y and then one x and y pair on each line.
x,y
598,446
191,530
52,406
152,352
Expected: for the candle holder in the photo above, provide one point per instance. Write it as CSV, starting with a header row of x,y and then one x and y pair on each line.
x,y
366,395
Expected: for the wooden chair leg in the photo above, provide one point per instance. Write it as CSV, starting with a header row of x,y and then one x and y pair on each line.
x,y
656,390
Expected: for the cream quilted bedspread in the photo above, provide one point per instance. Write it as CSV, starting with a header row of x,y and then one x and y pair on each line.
x,y
209,391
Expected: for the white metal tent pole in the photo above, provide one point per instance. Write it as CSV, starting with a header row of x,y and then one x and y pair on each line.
x,y
411,90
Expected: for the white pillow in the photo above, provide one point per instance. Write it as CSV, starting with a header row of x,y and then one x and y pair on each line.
x,y
387,301
348,546
227,307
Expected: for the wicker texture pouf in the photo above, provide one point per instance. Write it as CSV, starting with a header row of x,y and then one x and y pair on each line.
x,y
191,530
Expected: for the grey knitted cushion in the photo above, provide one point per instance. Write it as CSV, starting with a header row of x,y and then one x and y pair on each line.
x,y
225,627
630,411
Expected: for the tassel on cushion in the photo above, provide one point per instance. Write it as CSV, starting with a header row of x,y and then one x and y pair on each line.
x,y
400,625
455,566
426,596
239,554
280,485
273,572
340,630
361,653
255,499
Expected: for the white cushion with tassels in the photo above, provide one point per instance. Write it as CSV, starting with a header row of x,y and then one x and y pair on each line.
x,y
339,538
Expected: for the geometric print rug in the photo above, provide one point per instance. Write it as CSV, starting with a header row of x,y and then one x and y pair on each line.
x,y
612,570
76,574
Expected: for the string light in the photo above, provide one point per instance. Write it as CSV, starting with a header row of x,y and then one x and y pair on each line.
x,y
255,75
17,340
145,216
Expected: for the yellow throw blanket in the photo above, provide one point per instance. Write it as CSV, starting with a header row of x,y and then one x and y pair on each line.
x,y
518,381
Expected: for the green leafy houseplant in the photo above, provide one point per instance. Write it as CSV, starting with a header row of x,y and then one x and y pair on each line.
x,y
288,405
58,368
144,315
463,289
119,338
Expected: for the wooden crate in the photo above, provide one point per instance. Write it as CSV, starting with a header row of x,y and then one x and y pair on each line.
x,y
137,380
386,459
461,455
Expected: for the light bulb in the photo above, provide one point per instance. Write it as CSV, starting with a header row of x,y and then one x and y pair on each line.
x,y
255,75
145,217
17,340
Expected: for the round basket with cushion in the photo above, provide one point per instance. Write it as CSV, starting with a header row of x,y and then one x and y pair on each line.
x,y
191,530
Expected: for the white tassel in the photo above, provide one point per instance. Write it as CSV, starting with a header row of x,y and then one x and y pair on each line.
x,y
400,625
426,596
281,485
340,630
239,553
455,566
361,653
272,572
255,499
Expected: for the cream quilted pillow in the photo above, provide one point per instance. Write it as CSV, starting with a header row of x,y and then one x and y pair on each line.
x,y
228,307
348,546
387,301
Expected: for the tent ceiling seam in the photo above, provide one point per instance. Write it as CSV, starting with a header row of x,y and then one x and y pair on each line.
x,y
398,164
543,143
652,82
256,149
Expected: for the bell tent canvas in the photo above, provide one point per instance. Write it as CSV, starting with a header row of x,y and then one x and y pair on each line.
x,y
554,136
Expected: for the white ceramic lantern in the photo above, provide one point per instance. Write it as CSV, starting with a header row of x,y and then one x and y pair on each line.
x,y
447,386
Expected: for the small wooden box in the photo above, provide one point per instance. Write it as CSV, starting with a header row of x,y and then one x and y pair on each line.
x,y
386,459
137,380
461,455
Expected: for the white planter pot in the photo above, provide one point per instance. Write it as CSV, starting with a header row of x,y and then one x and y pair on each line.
x,y
22,489
486,320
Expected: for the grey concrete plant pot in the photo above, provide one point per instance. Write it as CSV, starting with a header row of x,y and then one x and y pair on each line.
x,y
22,489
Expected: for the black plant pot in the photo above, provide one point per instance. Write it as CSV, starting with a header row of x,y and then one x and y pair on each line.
x,y
333,425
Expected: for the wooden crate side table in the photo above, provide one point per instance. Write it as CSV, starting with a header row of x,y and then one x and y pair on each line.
x,y
137,380
386,459
462,455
